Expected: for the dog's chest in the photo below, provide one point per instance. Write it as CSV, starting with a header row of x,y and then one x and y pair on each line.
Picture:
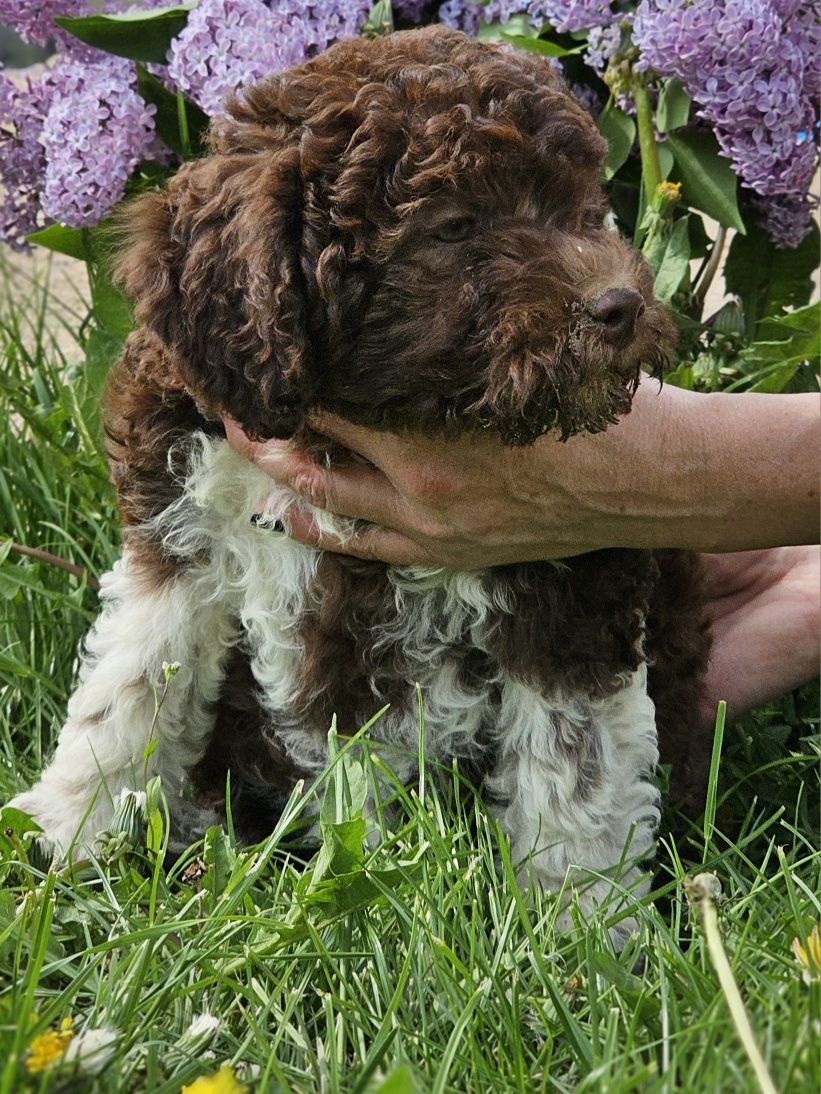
x,y
321,637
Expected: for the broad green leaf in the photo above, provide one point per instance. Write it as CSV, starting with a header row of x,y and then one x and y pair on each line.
x,y
769,279
700,242
110,307
539,45
778,358
138,35
498,32
666,160
218,853
619,130
380,19
400,1081
674,106
167,119
342,850
708,179
670,259
66,241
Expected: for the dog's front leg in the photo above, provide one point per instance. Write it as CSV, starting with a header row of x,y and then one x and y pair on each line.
x,y
574,790
126,696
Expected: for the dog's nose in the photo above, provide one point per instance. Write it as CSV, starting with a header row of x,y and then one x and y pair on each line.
x,y
617,310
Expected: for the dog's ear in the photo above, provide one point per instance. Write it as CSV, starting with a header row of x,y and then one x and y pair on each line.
x,y
212,263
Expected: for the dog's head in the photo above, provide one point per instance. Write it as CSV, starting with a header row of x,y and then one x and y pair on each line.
x,y
408,231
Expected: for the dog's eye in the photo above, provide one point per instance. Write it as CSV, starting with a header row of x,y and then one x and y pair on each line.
x,y
454,231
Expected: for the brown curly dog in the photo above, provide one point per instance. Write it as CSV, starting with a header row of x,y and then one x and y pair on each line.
x,y
408,232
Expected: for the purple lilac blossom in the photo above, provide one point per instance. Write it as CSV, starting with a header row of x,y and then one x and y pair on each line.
x,y
786,219
564,15
33,19
590,99
229,43
22,156
97,129
752,68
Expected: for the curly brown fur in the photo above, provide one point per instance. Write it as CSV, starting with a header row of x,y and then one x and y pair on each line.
x,y
407,232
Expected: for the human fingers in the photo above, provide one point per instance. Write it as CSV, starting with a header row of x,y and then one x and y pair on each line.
x,y
370,542
363,493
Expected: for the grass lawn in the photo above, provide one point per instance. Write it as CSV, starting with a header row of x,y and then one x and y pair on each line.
x,y
398,960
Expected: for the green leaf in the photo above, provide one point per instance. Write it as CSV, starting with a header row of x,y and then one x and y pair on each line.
x,y
619,130
708,179
539,45
380,19
700,242
769,279
167,117
674,106
66,241
218,853
400,1081
138,35
498,32
110,307
778,359
670,259
666,160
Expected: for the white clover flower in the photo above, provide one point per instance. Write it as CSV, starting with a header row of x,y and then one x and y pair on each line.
x,y
90,1051
203,1026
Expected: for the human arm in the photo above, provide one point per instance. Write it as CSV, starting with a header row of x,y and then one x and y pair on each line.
x,y
683,469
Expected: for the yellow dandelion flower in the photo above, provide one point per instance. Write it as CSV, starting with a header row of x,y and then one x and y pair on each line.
x,y
810,958
669,190
46,1049
221,1082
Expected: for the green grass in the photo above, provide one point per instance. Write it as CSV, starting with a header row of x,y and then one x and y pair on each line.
x,y
401,959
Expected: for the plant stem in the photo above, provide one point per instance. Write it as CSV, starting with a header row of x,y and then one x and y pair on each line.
x,y
650,168
702,897
55,560
710,269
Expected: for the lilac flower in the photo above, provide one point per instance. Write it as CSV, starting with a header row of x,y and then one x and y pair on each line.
x,y
326,21
602,43
96,131
33,19
229,43
564,15
569,15
786,220
752,68
463,15
589,99
22,156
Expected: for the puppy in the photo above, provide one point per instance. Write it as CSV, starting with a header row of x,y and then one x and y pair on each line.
x,y
408,232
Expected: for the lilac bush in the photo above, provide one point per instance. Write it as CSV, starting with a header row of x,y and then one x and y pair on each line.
x,y
752,68
228,43
71,139
95,132
22,157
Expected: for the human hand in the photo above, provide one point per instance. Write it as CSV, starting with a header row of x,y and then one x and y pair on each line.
x,y
706,472
464,503
765,608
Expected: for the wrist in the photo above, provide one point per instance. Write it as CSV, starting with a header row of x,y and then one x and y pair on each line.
x,y
709,472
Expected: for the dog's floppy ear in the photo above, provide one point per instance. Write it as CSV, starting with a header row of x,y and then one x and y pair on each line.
x,y
212,263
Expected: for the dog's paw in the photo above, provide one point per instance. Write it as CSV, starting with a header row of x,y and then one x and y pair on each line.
x,y
64,828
